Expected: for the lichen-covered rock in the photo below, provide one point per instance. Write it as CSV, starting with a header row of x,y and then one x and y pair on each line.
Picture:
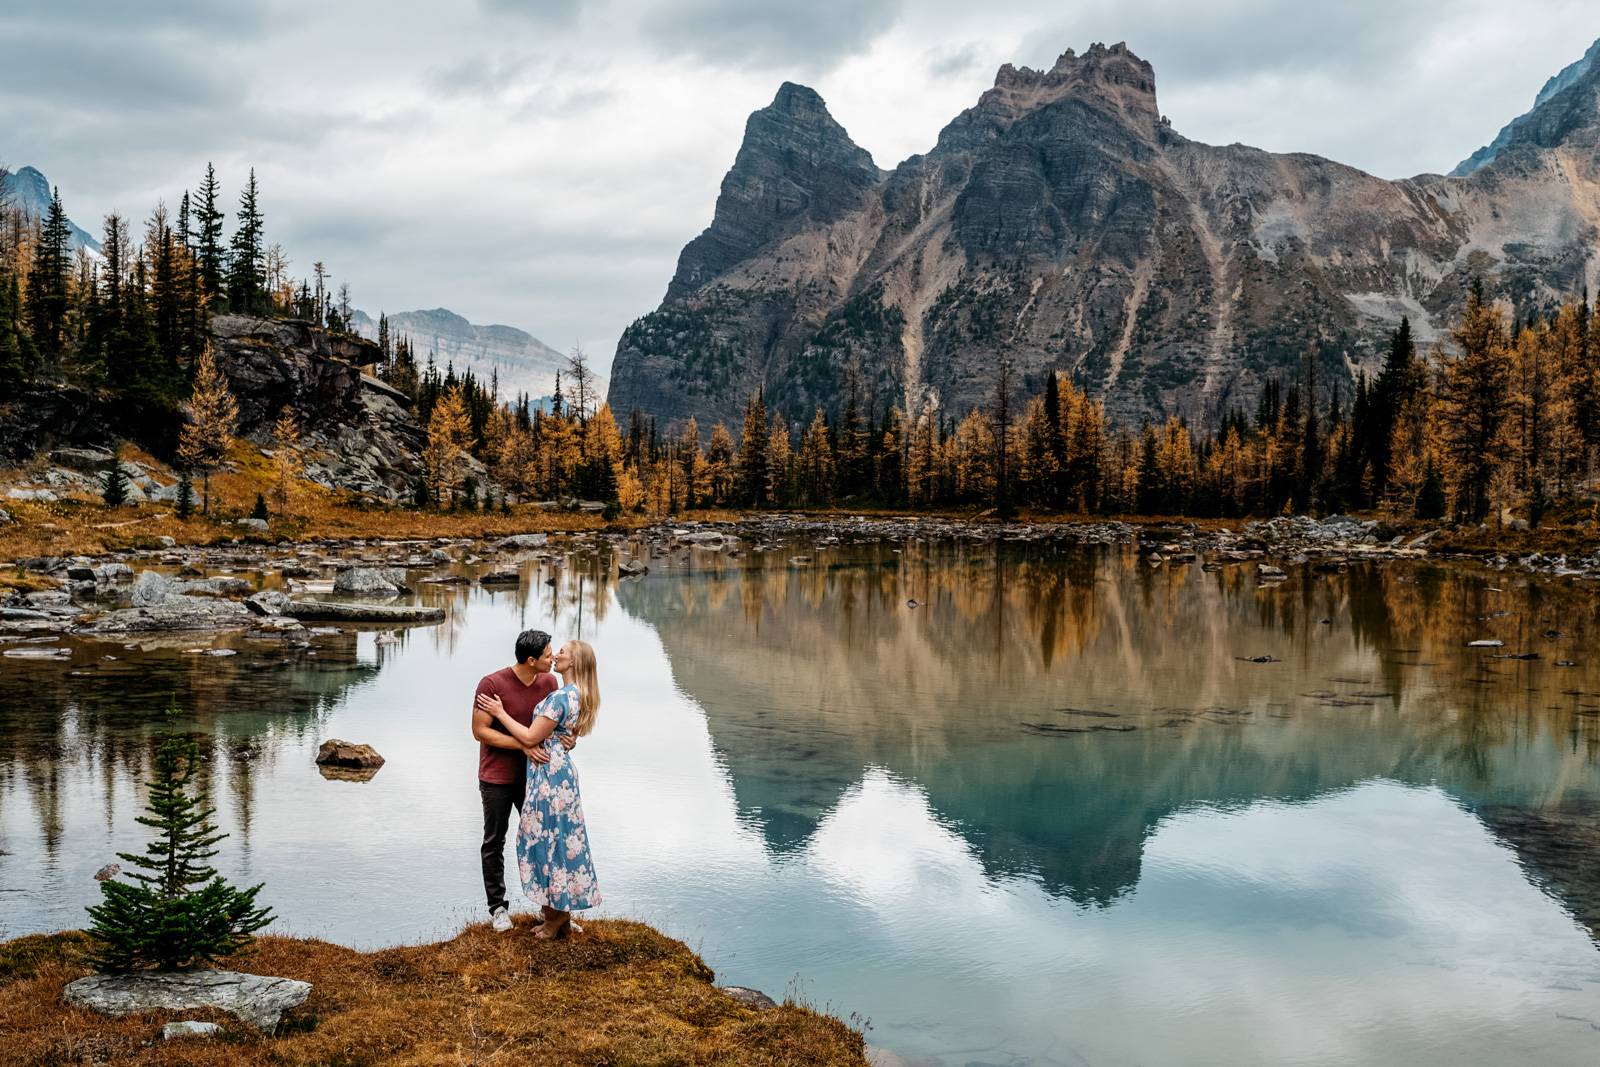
x,y
257,999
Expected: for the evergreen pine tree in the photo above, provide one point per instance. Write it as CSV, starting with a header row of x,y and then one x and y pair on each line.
x,y
209,254
185,495
176,913
245,271
48,280
260,510
1430,499
114,482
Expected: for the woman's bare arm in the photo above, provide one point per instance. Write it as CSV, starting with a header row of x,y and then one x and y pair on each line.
x,y
525,736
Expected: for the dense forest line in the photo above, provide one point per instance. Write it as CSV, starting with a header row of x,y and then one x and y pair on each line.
x,y
1504,417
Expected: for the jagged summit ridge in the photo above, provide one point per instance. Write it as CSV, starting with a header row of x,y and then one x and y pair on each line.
x,y
1061,223
1573,74
796,166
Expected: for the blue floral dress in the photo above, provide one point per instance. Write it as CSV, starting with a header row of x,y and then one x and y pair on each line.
x,y
552,839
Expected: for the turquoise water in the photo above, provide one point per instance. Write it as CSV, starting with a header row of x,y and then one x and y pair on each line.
x,y
1047,816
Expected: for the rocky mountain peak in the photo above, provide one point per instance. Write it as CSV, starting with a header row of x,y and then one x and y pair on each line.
x,y
796,166
1107,75
1568,103
31,191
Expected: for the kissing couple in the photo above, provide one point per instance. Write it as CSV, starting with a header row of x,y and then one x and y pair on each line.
x,y
526,722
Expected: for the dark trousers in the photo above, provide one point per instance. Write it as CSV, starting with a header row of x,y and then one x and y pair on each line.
x,y
499,802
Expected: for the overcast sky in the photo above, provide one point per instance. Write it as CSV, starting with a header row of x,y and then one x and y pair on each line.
x,y
541,162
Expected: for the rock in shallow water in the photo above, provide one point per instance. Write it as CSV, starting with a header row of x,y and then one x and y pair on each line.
x,y
257,999
369,581
337,753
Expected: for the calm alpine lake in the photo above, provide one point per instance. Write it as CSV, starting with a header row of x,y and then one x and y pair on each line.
x,y
1006,803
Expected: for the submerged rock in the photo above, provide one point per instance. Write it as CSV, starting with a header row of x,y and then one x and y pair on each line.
x,y
257,999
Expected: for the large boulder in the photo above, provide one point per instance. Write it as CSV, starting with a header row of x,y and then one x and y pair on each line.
x,y
257,999
522,542
151,588
336,753
268,602
369,581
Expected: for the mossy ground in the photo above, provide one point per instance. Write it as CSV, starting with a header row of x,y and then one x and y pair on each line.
x,y
618,994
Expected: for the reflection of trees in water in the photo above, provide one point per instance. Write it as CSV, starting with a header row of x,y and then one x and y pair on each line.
x,y
810,675
106,718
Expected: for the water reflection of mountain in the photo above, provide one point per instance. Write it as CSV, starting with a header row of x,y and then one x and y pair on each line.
x,y
105,707
809,676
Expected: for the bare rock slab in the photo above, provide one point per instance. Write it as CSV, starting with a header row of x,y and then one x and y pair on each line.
x,y
344,611
257,999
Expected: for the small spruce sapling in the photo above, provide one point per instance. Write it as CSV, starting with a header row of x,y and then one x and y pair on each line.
x,y
260,510
177,913
185,495
114,482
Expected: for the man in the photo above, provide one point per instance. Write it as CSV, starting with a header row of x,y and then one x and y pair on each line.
x,y
502,762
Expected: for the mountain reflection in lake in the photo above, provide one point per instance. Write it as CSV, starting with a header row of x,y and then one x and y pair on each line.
x,y
1052,814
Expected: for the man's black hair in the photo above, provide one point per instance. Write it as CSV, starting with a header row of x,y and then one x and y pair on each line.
x,y
531,645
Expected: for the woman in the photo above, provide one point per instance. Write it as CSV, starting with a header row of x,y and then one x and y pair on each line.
x,y
552,840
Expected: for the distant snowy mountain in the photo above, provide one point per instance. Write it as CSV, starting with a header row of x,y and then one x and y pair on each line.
x,y
31,191
525,363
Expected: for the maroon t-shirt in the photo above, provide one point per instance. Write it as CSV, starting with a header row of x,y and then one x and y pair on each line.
x,y
505,766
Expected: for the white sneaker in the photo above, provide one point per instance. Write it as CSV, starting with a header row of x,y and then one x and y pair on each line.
x,y
500,919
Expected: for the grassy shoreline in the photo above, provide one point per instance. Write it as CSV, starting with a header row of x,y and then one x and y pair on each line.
x,y
85,526
620,993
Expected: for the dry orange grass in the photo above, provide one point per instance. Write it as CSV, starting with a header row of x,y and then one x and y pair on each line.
x,y
618,994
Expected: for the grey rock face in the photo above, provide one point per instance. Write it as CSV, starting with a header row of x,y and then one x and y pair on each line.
x,y
5,516
189,1028
356,420
522,542
151,588
268,602
1062,222
257,999
369,581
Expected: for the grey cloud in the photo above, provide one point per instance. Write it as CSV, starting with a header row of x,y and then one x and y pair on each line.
x,y
91,72
769,33
557,12
97,19
953,62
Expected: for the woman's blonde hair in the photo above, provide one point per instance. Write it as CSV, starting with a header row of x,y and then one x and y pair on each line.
x,y
583,676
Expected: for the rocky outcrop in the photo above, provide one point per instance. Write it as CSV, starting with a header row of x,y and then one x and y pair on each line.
x,y
257,999
1062,222
356,432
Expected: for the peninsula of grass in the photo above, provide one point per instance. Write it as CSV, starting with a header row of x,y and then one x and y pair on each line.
x,y
618,994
